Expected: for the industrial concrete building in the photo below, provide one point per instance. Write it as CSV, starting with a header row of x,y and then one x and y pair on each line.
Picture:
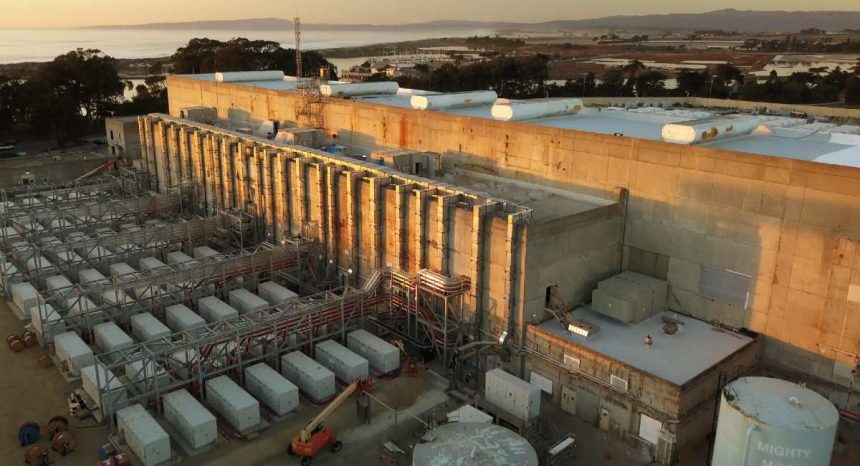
x,y
123,138
749,219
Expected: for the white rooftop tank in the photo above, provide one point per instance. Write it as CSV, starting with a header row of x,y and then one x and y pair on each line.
x,y
771,421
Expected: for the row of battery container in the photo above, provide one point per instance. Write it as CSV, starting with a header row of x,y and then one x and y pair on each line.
x,y
37,264
239,407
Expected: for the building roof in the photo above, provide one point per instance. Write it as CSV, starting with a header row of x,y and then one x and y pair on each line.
x,y
547,203
696,347
776,135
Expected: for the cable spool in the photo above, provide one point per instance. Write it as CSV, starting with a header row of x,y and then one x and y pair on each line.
x,y
36,455
45,361
58,424
30,339
15,343
63,443
28,433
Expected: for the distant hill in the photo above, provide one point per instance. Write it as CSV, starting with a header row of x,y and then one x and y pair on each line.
x,y
279,24
728,19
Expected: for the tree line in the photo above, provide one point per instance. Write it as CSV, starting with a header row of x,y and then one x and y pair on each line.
x,y
72,95
527,77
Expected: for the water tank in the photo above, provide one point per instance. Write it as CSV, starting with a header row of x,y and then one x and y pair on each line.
x,y
519,110
709,129
475,444
766,421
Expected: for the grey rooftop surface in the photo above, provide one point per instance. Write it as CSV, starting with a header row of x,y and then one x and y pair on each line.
x,y
676,358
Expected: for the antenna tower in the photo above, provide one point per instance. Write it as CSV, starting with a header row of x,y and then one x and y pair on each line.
x,y
309,110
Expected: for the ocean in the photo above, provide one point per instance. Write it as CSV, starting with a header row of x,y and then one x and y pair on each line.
x,y
24,45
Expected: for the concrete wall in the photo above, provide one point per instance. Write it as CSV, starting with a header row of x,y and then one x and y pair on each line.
x,y
791,226
687,411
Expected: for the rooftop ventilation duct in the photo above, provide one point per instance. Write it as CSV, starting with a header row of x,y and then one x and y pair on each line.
x,y
359,89
246,76
453,100
709,129
537,108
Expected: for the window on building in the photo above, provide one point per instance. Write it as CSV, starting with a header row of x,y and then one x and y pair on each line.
x,y
572,362
618,383
725,285
111,135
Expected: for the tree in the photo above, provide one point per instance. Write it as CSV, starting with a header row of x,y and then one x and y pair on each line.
x,y
241,54
88,77
692,82
852,91
13,105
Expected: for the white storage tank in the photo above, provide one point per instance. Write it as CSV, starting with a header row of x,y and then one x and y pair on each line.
x,y
197,426
246,302
359,89
24,295
146,327
453,100
46,321
474,444
709,129
146,439
112,390
345,364
519,110
72,353
275,294
181,319
315,380
512,394
214,310
108,337
276,392
771,421
246,76
239,408
382,356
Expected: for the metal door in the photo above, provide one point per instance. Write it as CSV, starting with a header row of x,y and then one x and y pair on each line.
x,y
568,400
587,405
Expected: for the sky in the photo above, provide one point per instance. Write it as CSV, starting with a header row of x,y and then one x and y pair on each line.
x,y
75,13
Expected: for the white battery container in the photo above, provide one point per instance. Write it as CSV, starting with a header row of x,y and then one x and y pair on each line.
x,y
214,310
246,302
72,352
239,408
194,423
382,356
146,327
311,377
146,439
345,364
108,337
274,293
276,392
182,319
112,390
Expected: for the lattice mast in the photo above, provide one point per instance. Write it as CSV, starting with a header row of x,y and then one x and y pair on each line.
x,y
309,110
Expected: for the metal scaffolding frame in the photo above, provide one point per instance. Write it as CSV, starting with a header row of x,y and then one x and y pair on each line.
x,y
187,359
75,254
119,298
